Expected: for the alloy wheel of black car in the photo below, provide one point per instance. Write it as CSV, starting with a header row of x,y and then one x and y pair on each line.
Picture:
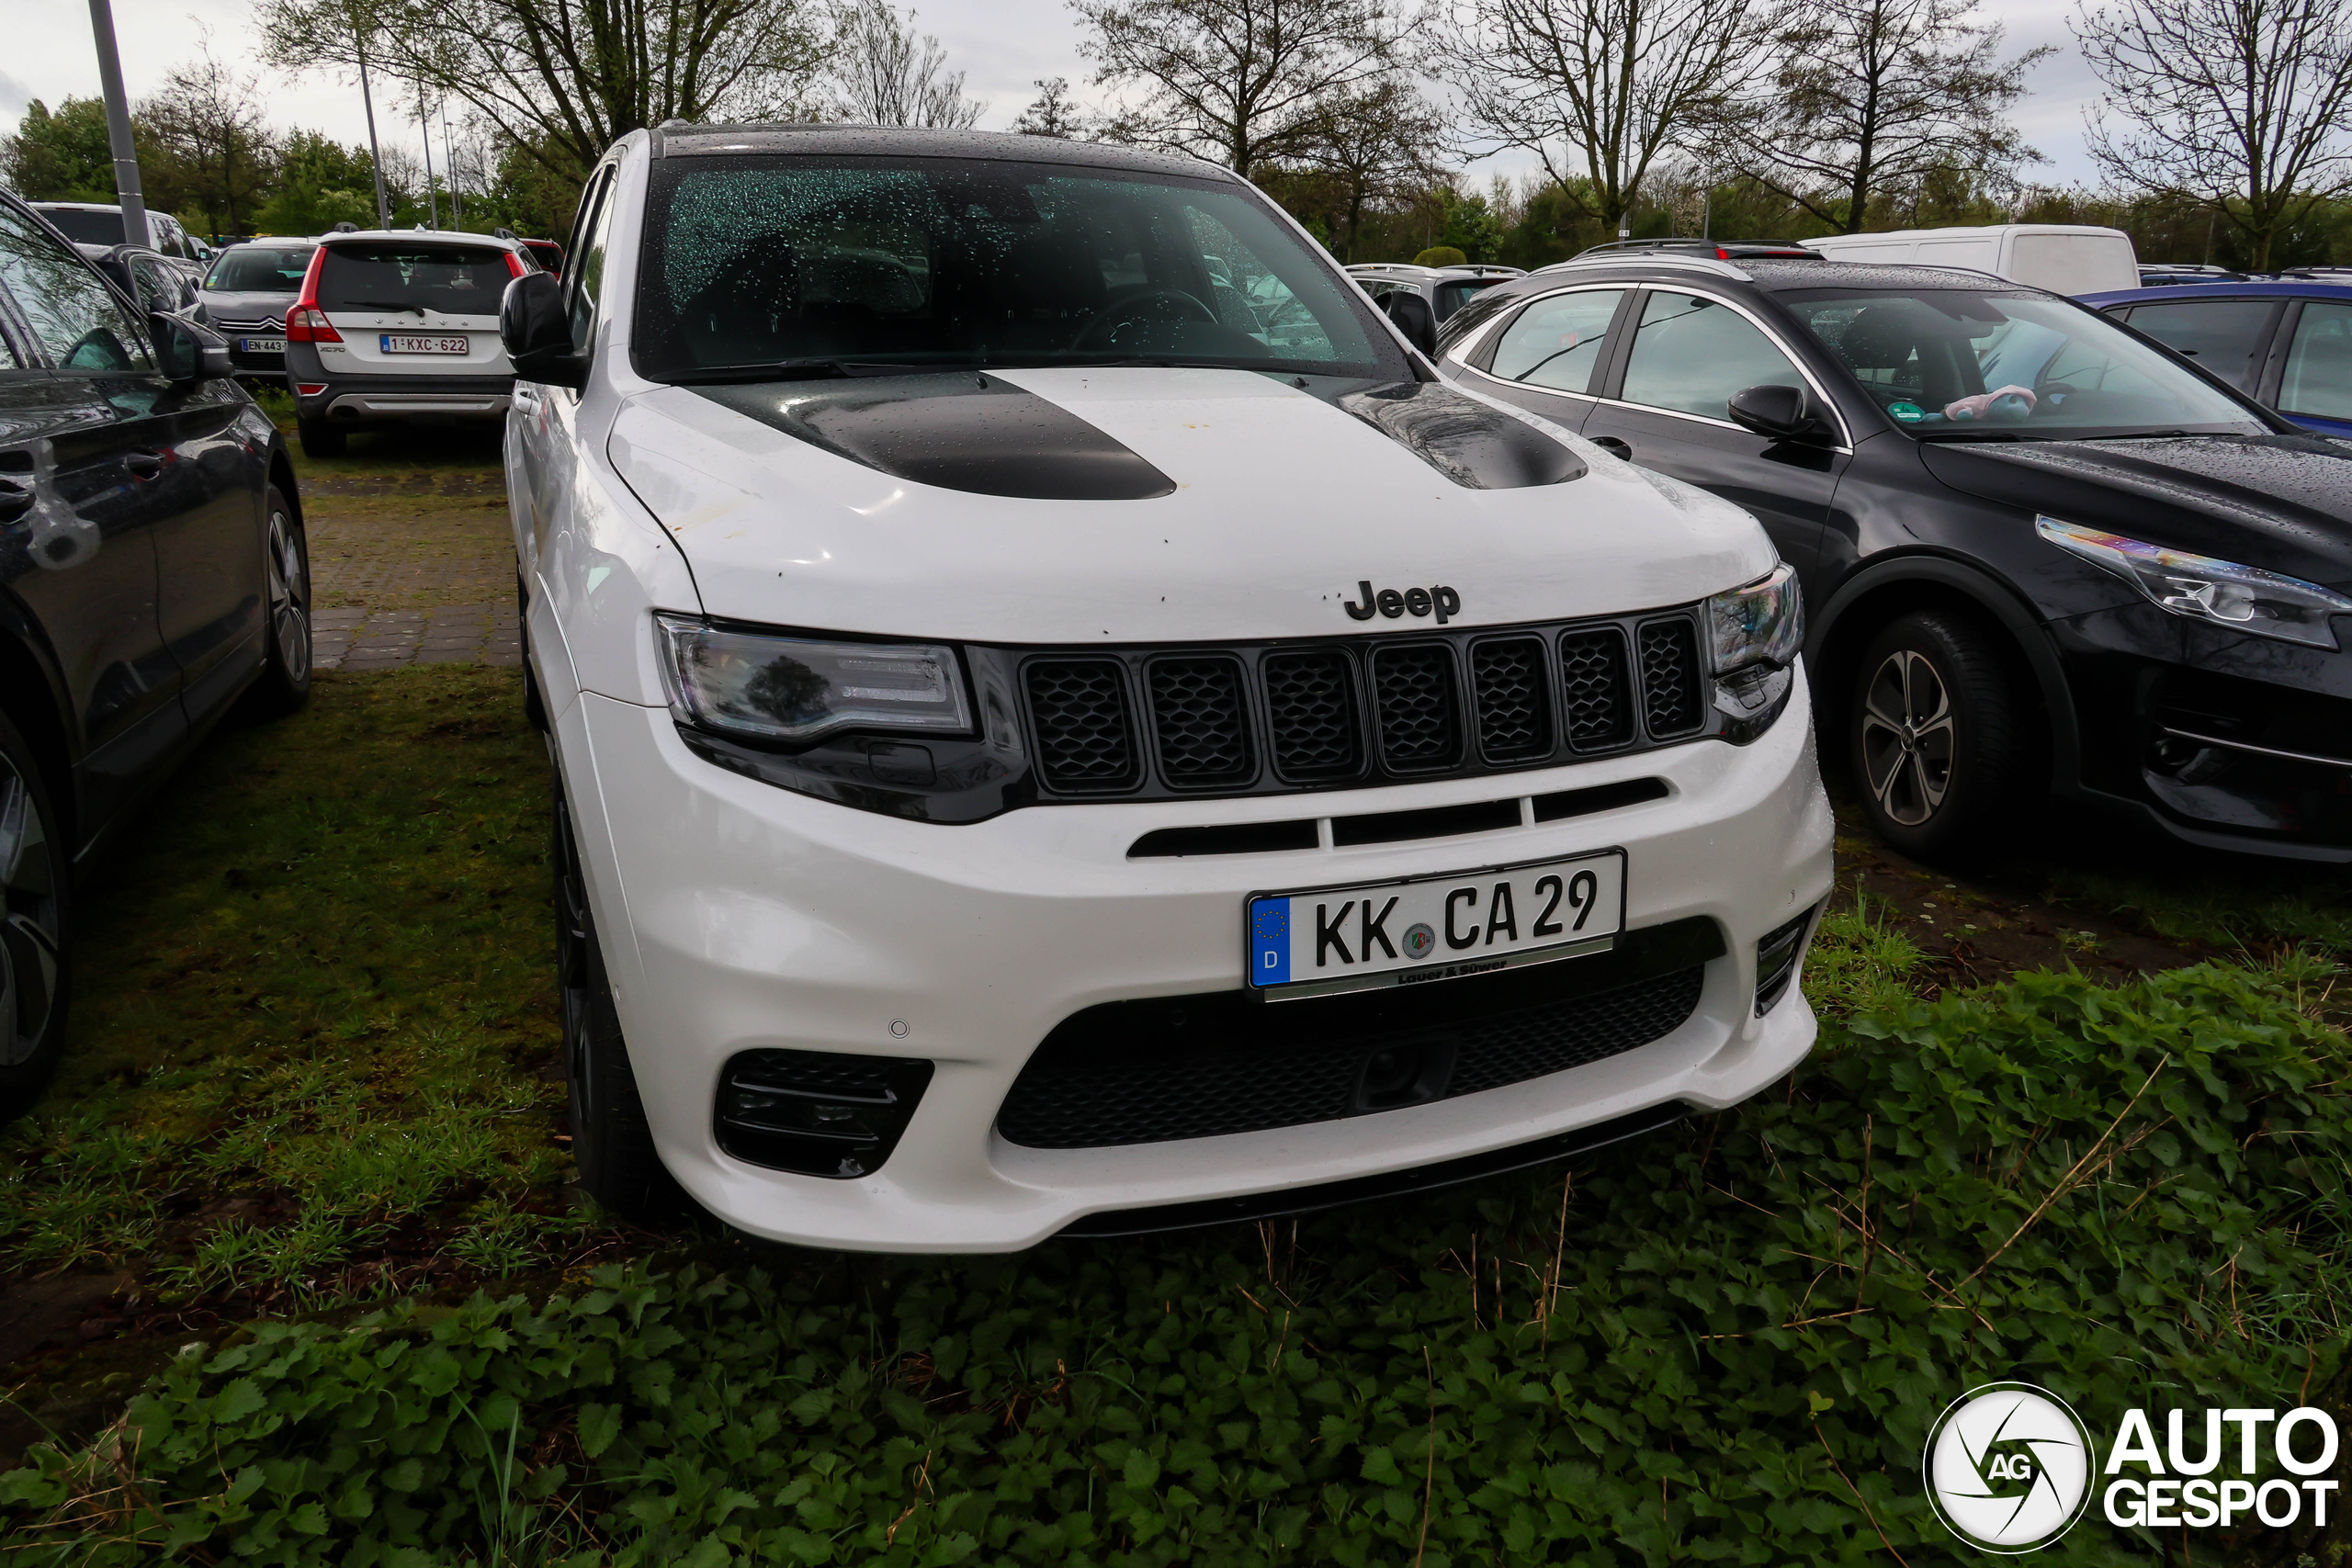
x,y
1937,735
612,1145
33,892
286,565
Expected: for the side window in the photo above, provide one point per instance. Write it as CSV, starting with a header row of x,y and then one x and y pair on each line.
x,y
74,315
2219,335
586,276
155,287
2318,363
1558,343
1691,353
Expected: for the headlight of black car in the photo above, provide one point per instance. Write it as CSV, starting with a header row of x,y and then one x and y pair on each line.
x,y
762,686
1755,633
2242,598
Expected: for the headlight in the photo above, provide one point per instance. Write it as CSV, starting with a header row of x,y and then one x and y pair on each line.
x,y
796,689
1754,635
2243,598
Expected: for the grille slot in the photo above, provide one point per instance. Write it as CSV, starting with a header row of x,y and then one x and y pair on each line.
x,y
1078,1092
1200,722
1671,703
1085,736
1311,713
1593,689
1414,689
1514,710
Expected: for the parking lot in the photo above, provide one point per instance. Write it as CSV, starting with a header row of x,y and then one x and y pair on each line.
x,y
315,1072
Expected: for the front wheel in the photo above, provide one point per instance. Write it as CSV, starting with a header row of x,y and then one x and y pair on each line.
x,y
285,683
612,1144
1937,733
34,891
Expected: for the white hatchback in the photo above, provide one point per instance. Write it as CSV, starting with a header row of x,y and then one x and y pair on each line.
x,y
399,327
1065,723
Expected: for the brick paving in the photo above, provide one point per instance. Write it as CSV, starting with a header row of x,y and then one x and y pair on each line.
x,y
399,576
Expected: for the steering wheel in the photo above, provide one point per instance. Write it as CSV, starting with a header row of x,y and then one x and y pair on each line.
x,y
1128,308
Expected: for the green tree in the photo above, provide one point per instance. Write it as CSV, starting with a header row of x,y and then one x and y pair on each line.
x,y
321,183
61,154
212,151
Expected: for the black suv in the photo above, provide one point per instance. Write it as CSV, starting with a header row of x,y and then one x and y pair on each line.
x,y
151,569
2035,546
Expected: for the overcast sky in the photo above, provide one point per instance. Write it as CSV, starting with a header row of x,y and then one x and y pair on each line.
x,y
1001,45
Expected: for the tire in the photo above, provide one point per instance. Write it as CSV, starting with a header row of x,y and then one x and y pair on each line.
x,y
320,439
612,1144
285,682
35,927
1938,736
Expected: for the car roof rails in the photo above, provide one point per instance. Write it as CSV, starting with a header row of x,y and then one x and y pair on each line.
x,y
1719,250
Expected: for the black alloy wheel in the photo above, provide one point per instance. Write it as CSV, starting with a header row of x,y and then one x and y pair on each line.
x,y
34,891
286,571
1936,735
612,1145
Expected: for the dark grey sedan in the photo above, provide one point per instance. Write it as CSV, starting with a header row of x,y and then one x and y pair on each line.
x,y
245,297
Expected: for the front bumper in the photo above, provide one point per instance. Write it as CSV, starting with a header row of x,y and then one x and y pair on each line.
x,y
736,915
2220,740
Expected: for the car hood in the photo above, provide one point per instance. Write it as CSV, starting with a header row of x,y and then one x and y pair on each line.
x,y
246,306
2281,502
1142,504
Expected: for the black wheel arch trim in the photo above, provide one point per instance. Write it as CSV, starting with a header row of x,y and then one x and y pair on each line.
x,y
2015,616
44,722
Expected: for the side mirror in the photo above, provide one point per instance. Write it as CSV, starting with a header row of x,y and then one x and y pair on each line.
x,y
1776,412
1413,318
184,352
538,334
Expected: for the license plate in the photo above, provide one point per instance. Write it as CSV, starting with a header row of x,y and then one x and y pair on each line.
x,y
261,344
1436,928
410,342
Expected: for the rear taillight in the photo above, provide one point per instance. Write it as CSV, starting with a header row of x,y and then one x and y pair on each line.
x,y
515,264
308,323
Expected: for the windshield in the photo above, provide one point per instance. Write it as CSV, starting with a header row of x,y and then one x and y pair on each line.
x,y
260,269
453,280
84,227
793,262
1951,363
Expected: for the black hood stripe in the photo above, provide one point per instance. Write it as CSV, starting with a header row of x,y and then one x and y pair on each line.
x,y
956,430
1473,443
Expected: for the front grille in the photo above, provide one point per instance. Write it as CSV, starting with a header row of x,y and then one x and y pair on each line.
x,y
1260,719
1594,695
1085,740
1083,1089
1670,677
268,324
1201,721
1514,709
1414,689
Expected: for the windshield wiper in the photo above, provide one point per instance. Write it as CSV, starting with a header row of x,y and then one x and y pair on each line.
x,y
2140,436
1974,435
800,370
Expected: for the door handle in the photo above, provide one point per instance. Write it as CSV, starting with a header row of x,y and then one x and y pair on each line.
x,y
144,464
1616,446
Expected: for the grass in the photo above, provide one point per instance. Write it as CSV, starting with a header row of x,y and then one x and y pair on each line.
x,y
314,1008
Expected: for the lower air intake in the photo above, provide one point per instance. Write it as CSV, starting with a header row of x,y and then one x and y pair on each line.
x,y
818,1112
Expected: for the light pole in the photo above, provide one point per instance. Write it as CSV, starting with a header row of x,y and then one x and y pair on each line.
x,y
375,158
424,124
450,158
126,156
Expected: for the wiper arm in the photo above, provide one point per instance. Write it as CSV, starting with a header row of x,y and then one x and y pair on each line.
x,y
1974,436
796,370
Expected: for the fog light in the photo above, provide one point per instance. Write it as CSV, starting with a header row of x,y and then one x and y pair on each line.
x,y
818,1112
1776,961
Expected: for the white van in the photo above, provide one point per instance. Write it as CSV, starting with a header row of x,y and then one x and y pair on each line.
x,y
2065,258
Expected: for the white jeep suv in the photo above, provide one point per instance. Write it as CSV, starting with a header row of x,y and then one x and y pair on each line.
x,y
1042,748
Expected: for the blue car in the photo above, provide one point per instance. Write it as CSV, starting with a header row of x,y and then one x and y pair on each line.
x,y
2285,341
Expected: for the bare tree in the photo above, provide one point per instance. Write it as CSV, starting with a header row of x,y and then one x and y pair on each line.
x,y
2240,106
1379,144
212,141
1598,90
884,72
1051,113
565,79
1241,81
1869,97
